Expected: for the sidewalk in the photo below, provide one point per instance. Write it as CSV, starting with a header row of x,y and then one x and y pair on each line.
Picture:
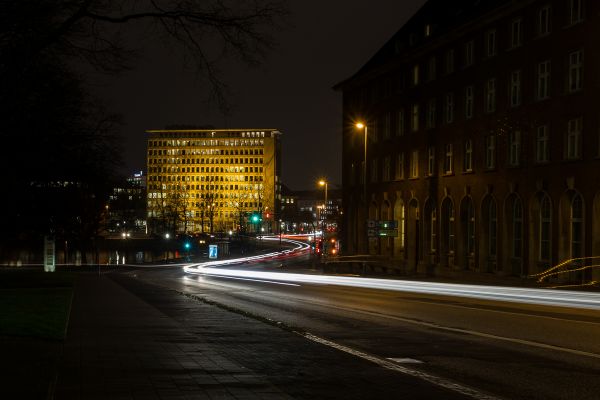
x,y
120,347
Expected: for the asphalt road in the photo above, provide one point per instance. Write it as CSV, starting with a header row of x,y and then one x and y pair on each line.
x,y
471,348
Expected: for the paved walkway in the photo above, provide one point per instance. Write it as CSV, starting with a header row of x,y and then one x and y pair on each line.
x,y
120,347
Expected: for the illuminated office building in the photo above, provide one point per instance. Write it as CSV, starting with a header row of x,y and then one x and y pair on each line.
x,y
212,180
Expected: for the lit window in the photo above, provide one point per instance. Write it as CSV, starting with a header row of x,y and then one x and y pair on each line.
x,y
468,160
414,164
400,166
449,159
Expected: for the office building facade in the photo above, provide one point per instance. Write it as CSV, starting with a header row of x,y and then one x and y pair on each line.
x,y
211,180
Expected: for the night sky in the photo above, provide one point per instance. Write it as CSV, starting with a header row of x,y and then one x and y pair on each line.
x,y
326,42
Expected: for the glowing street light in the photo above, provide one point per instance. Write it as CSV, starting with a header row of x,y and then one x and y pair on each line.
x,y
361,125
324,183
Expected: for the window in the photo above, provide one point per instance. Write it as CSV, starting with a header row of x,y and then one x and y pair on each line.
x,y
517,231
469,53
542,153
543,80
576,227
469,102
415,75
387,122
450,61
490,152
414,164
490,95
415,118
514,148
430,114
575,71
400,123
574,139
431,161
545,228
575,11
449,111
470,231
386,169
492,228
431,69
490,43
543,21
468,159
448,159
433,230
427,30
400,166
515,89
516,30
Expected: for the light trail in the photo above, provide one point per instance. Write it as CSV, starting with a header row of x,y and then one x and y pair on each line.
x,y
550,297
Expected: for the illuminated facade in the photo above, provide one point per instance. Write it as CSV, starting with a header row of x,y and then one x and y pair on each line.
x,y
211,180
483,139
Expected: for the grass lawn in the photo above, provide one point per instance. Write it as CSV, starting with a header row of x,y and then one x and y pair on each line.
x,y
35,304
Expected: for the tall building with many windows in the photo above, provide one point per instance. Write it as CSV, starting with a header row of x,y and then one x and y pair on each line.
x,y
483,139
212,180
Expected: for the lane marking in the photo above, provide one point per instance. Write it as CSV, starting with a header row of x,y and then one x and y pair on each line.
x,y
382,362
405,360
466,331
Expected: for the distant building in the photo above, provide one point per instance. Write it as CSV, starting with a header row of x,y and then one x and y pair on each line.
x,y
483,139
302,210
205,180
127,206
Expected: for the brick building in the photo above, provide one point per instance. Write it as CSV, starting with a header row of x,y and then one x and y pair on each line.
x,y
483,138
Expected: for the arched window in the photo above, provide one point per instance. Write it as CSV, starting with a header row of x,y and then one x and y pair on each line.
x,y
517,231
470,225
492,228
545,228
433,227
576,226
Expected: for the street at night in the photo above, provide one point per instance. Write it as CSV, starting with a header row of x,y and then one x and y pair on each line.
x,y
285,199
328,341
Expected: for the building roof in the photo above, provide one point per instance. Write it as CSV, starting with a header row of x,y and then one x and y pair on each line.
x,y
440,15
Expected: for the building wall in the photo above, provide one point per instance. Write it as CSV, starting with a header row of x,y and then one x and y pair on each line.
x,y
195,176
461,211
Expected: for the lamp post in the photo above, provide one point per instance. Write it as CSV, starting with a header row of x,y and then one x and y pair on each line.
x,y
324,183
361,125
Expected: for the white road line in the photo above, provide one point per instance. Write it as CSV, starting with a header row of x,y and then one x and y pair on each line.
x,y
382,362
465,331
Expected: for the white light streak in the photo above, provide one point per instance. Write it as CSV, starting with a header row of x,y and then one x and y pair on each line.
x,y
574,299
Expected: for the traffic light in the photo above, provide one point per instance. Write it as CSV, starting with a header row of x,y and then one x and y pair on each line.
x,y
255,218
187,245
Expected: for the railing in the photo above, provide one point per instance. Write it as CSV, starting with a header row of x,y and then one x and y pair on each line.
x,y
581,268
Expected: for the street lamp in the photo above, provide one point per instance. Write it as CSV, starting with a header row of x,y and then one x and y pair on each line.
x,y
324,183
360,125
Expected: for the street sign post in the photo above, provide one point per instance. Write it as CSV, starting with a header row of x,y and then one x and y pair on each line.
x,y
49,254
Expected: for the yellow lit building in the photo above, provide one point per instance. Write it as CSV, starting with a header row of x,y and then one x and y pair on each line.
x,y
212,180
